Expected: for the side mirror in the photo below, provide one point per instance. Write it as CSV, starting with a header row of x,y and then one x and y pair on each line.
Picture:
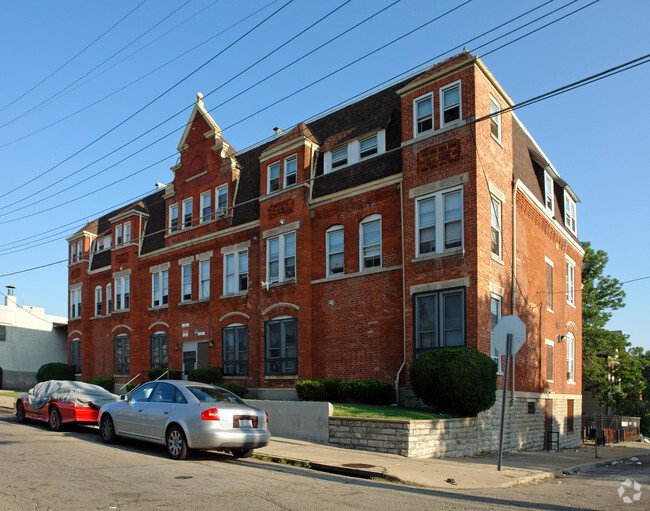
x,y
123,397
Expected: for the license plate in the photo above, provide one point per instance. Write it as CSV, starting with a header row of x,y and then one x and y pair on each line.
x,y
245,423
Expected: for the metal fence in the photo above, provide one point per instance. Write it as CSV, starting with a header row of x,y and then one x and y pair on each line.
x,y
610,428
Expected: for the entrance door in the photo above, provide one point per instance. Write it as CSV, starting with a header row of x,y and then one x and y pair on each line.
x,y
548,422
189,362
203,354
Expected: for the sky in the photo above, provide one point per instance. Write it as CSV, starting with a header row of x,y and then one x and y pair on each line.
x,y
94,97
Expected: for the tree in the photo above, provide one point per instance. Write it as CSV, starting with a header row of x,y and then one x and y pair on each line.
x,y
612,370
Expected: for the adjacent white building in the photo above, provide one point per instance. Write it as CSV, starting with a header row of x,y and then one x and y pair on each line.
x,y
29,338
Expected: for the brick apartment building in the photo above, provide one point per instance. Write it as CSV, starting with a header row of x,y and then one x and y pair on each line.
x,y
343,248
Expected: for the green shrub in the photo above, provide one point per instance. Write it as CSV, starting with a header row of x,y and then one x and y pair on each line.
x,y
461,381
103,381
129,387
210,374
238,390
173,374
54,371
317,390
371,392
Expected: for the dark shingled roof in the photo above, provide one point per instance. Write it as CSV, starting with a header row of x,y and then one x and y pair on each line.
x,y
301,130
154,234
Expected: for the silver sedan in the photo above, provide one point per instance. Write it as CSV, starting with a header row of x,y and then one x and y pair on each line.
x,y
184,415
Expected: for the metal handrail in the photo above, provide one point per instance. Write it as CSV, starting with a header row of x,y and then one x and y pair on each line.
x,y
128,382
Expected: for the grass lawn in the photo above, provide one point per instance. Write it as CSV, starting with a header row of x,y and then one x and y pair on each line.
x,y
10,393
383,412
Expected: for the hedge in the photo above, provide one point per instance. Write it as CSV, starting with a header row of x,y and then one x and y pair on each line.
x,y
371,392
54,371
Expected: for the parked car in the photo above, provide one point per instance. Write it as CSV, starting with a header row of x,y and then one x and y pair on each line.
x,y
60,402
185,415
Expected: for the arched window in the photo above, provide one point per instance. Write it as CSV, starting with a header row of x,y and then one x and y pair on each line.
x,y
121,351
159,350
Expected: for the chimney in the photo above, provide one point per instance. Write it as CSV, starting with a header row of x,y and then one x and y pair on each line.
x,y
278,131
10,299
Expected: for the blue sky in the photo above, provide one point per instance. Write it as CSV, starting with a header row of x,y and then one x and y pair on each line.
x,y
59,114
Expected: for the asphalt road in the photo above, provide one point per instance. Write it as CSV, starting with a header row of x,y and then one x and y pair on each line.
x,y
42,470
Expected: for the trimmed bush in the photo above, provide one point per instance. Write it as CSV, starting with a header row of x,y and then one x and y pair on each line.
x,y
370,392
174,374
105,382
210,374
54,371
461,381
317,390
238,390
373,392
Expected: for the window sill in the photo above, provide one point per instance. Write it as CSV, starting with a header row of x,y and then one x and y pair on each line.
x,y
234,295
120,311
572,305
497,140
549,310
361,273
159,307
281,377
280,283
101,316
192,302
237,377
438,255
417,137
496,258
571,382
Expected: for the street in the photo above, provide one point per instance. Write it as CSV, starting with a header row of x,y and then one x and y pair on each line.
x,y
75,470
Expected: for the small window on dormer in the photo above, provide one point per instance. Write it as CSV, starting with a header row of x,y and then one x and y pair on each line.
x,y
368,146
548,191
570,213
274,177
290,170
340,157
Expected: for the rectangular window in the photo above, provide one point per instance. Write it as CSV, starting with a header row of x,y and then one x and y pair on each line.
x,y
118,235
187,213
274,177
570,213
439,320
159,351
570,283
495,119
159,288
173,218
495,242
80,249
549,361
109,299
204,279
206,206
335,254
122,293
122,354
73,253
98,301
281,347
281,258
340,157
450,104
222,201
368,146
235,272
570,357
186,275
370,238
495,316
290,170
235,350
423,114
549,286
569,415
439,219
127,232
548,191
75,355
75,303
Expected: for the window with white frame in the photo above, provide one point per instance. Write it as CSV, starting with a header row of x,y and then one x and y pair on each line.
x,y
335,254
423,114
122,293
495,222
75,303
273,177
370,242
450,104
355,151
570,282
340,157
173,218
235,350
118,235
204,280
159,288
222,200
281,347
235,279
495,316
73,252
109,298
186,283
206,206
439,319
495,119
290,170
439,221
281,258
548,192
187,213
98,301
122,355
75,355
368,146
80,248
570,213
127,232
549,285
570,357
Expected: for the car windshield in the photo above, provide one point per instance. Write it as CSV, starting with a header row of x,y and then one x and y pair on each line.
x,y
214,395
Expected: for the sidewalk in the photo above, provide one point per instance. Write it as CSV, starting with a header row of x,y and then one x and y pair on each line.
x,y
467,473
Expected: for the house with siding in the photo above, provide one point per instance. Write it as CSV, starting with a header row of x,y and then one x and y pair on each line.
x,y
408,220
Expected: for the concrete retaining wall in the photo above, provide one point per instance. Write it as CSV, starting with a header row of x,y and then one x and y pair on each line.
x,y
308,420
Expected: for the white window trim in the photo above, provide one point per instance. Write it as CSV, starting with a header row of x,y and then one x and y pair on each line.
x,y
570,285
571,357
123,280
549,185
457,83
289,159
75,301
169,226
202,279
236,272
159,272
191,212
268,176
549,263
207,195
415,114
494,296
98,300
183,299
493,199
354,151
220,211
109,298
570,207
367,220
334,228
496,117
119,239
440,222
127,230
281,258
73,252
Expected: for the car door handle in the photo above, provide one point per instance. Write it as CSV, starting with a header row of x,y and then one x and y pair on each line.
x,y
166,413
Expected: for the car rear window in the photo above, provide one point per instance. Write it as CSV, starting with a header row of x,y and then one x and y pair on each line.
x,y
214,395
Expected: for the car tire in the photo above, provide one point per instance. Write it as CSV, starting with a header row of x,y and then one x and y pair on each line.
x,y
241,453
20,411
176,443
54,419
107,429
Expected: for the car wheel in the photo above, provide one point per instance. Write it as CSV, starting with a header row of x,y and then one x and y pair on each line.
x,y
54,419
20,411
242,453
176,443
107,429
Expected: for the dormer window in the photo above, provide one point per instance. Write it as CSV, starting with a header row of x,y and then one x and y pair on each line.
x,y
290,170
340,157
274,177
450,104
570,213
368,146
548,191
423,114
355,151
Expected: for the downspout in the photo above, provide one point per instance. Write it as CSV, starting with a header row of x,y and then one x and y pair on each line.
x,y
514,275
401,210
